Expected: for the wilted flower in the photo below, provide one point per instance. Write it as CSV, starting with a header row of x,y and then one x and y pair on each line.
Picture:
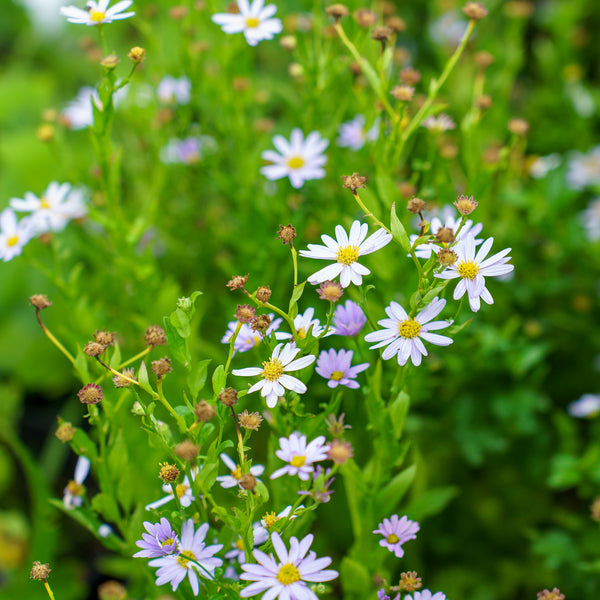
x,y
336,367
300,455
97,13
353,134
396,532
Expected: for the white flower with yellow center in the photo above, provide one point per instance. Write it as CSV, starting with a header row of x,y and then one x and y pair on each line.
x,y
253,20
232,480
300,455
473,269
287,577
404,335
345,251
97,13
275,379
259,535
75,490
14,234
305,323
299,159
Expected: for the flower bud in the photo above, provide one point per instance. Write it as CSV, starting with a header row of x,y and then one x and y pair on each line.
x,y
168,473
65,432
137,54
161,367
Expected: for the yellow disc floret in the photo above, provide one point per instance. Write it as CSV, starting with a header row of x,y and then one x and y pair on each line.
x,y
252,22
237,473
409,329
270,519
272,369
288,574
336,375
184,558
298,461
239,544
13,240
181,489
468,269
76,489
347,254
392,539
44,202
97,16
295,162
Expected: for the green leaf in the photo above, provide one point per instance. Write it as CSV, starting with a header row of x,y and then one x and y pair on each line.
x,y
181,321
177,344
391,495
83,445
386,188
398,230
197,377
219,379
355,578
143,379
431,502
398,411
115,359
296,295
81,366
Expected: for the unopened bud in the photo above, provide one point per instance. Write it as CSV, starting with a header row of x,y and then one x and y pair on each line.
x,y
288,42
161,367
65,432
187,450
248,481
475,10
518,126
45,132
106,338
404,93
137,54
155,336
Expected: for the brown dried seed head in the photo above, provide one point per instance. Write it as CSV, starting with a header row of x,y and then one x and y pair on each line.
x,y
475,10
161,367
337,11
484,101
106,338
245,313
237,282
447,257
465,205
396,24
263,293
168,473
407,189
137,54
249,420
112,590
40,301
90,394
404,93
177,13
445,235
204,411
40,571
187,450
228,397
286,233
409,582
595,509
65,432
518,126
381,34
416,205
248,481
260,323
354,181
365,17
121,382
340,452
155,336
555,594
94,348
410,76
484,59
331,291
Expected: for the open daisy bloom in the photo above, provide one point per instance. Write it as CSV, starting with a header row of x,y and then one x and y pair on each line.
x,y
473,269
299,159
160,540
14,234
286,577
73,495
337,368
253,20
403,335
300,455
396,532
275,380
345,251
235,477
97,13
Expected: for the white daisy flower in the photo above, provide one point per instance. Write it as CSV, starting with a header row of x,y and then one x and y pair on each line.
x,y
345,251
542,165
587,406
274,373
14,234
590,219
193,558
403,335
303,323
183,491
254,21
73,494
286,578
233,480
584,169
79,114
97,13
300,455
451,222
299,159
259,534
174,91
474,269
269,519
438,124
353,135
57,206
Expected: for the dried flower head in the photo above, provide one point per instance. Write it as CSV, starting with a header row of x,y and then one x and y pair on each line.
x,y
40,301
228,397
337,11
396,24
260,323
550,595
248,481
40,571
445,235
106,338
263,293
161,367
65,432
245,313
365,17
94,348
110,61
137,54
286,233
187,450
595,509
340,451
447,257
410,76
177,13
518,126
484,102
112,590
336,426
475,10
330,290
354,181
416,205
484,59
90,394
155,336
465,205
237,282
404,93
381,34
168,473
409,582
249,420
204,411
120,381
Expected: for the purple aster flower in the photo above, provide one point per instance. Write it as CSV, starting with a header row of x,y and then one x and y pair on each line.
x,y
426,595
336,367
300,455
348,319
320,491
160,540
396,532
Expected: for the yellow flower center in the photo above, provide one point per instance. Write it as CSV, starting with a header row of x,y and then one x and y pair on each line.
x,y
295,162
298,461
347,254
184,558
13,240
252,22
270,519
97,16
272,369
288,574
409,329
302,333
239,544
44,202
75,488
237,473
337,375
468,269
392,538
168,542
181,489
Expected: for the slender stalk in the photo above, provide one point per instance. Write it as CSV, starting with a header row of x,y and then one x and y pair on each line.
x,y
121,375
295,261
136,357
165,403
48,589
52,338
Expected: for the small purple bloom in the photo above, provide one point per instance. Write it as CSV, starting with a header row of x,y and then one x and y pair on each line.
x,y
349,319
320,491
396,532
337,368
160,540
426,595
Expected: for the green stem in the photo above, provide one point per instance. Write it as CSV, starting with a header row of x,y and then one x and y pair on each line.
x,y
295,261
48,589
136,357
52,338
165,403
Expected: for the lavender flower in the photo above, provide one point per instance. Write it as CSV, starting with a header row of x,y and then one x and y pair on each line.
x,y
396,532
335,366
299,455
349,319
321,483
160,540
